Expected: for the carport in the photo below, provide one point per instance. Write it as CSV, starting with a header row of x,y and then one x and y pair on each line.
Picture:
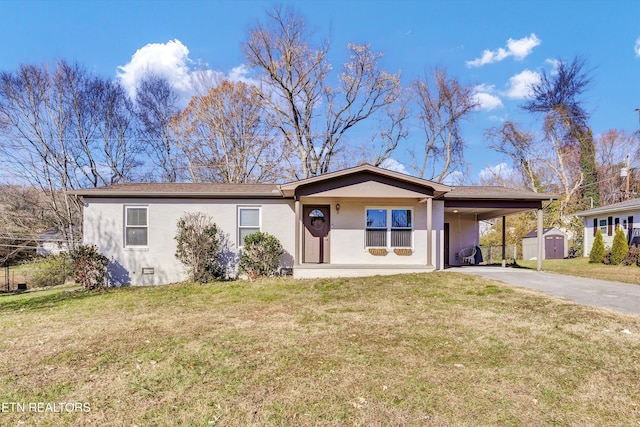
x,y
466,206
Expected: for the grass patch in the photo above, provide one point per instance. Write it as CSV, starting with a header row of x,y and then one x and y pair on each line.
x,y
581,267
433,349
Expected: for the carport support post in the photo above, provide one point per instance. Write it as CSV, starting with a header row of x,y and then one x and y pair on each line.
x,y
430,260
540,240
504,241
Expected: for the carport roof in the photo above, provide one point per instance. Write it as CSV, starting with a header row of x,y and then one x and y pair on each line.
x,y
488,202
476,192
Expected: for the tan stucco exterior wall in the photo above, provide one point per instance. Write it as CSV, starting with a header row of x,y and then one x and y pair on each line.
x,y
347,235
463,232
104,227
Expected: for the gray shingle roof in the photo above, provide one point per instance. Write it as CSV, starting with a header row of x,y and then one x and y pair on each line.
x,y
182,190
627,205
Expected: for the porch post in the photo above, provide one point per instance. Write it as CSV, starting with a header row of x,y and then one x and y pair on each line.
x,y
540,240
504,241
430,260
297,255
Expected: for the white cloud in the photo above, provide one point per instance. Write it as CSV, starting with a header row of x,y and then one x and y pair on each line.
x,y
502,171
486,99
554,65
171,61
394,165
519,49
454,178
636,48
520,85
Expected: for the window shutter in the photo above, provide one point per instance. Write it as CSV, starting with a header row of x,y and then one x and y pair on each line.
x,y
616,223
595,226
610,226
629,228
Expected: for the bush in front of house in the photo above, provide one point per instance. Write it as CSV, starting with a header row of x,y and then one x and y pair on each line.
x,y
597,251
89,267
260,255
52,270
198,247
619,248
632,257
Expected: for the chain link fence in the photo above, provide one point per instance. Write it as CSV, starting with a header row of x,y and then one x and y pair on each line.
x,y
493,254
43,272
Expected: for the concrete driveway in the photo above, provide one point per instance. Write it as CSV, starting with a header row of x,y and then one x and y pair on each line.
x,y
623,297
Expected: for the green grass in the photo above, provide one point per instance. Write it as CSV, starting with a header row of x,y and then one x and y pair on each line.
x,y
435,349
581,267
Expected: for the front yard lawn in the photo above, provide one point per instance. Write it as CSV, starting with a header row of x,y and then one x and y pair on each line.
x,y
582,268
439,349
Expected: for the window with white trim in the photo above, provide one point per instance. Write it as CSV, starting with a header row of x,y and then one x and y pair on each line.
x,y
389,228
248,222
136,226
603,227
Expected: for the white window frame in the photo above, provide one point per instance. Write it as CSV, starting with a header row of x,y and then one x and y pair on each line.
x,y
241,227
603,225
389,212
126,225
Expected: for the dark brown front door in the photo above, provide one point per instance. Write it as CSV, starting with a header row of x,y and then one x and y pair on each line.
x,y
446,244
554,247
316,234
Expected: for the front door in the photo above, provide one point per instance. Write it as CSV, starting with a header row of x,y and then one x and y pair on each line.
x,y
446,244
316,234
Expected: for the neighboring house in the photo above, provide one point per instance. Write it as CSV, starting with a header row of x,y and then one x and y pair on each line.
x,y
51,242
354,222
606,218
556,244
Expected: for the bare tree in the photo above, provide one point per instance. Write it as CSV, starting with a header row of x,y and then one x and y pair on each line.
x,y
518,145
155,105
121,151
311,116
612,149
54,135
546,164
226,137
443,104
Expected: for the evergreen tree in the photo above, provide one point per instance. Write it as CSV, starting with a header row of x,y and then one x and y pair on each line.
x,y
597,250
620,248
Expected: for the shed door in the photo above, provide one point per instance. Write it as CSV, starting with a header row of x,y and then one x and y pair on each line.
x,y
316,234
554,247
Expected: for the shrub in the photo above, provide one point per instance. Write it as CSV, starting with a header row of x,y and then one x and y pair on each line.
x,y
52,270
198,247
260,255
597,250
619,248
89,267
632,257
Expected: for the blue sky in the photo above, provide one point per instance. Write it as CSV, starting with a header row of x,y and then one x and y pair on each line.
x,y
497,46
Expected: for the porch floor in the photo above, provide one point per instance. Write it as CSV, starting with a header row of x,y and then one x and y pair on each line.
x,y
316,271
